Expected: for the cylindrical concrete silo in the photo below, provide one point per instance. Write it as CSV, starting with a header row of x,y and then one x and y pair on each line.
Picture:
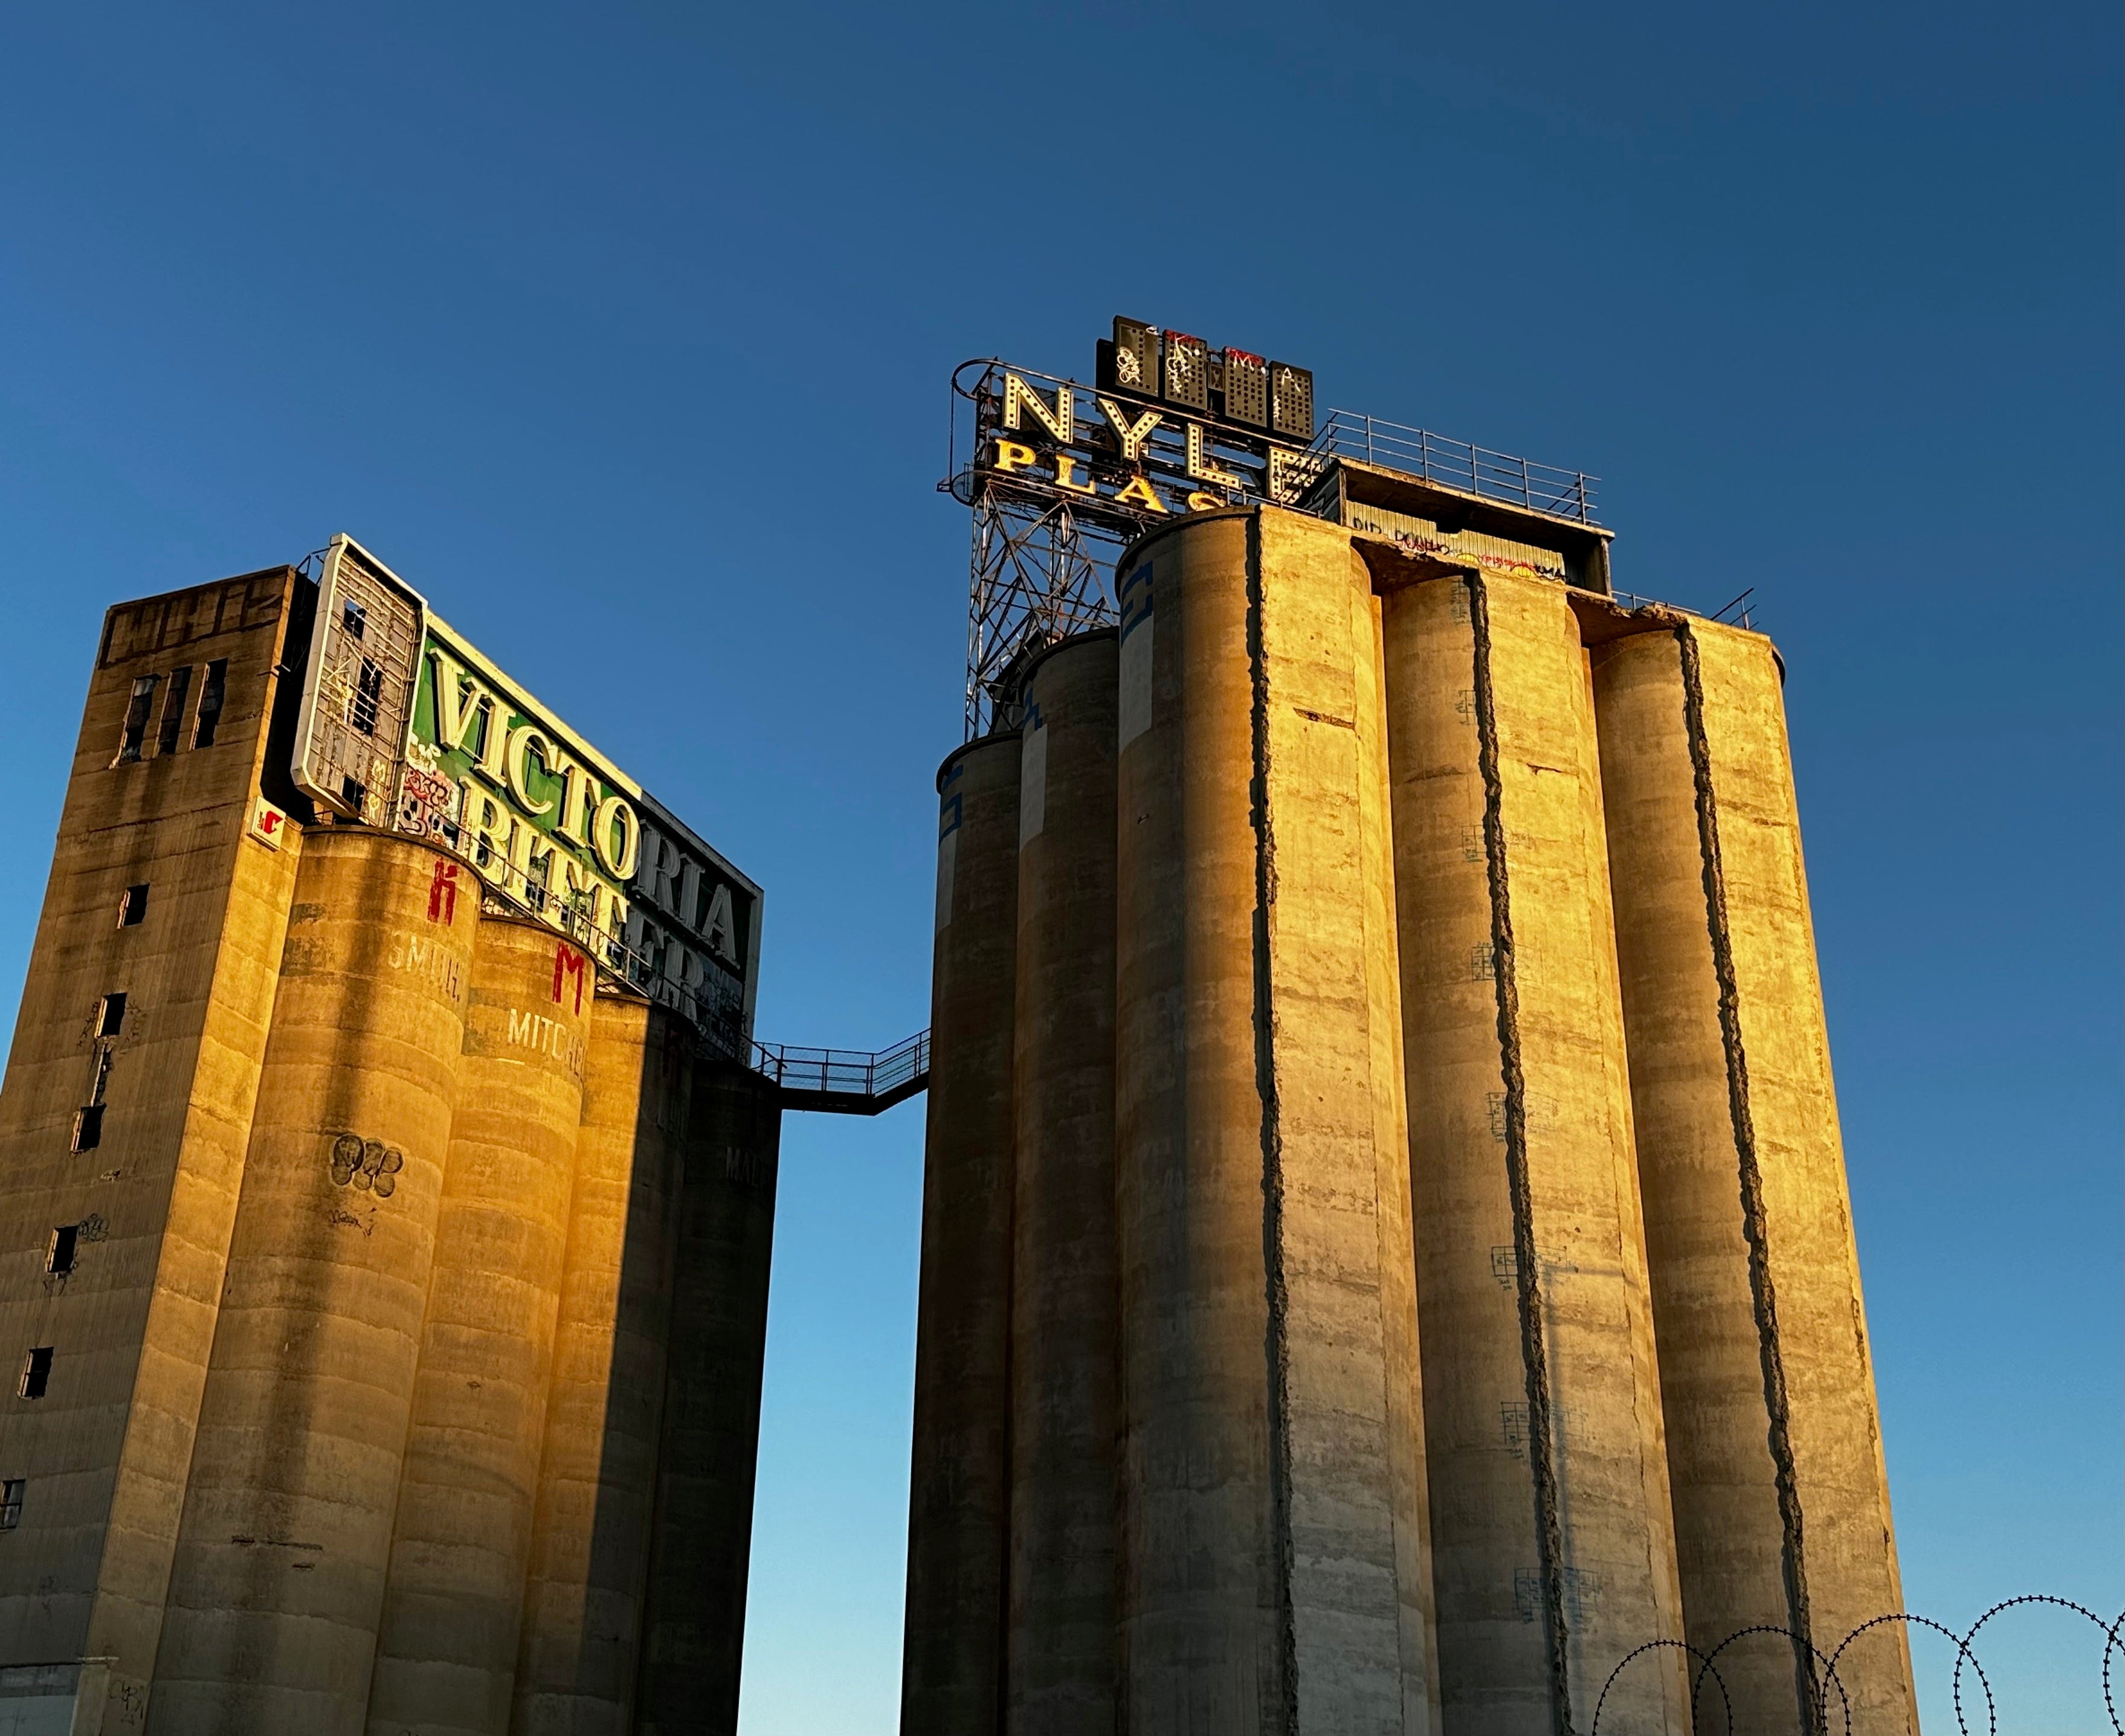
x,y
1274,1494
959,1493
446,1652
693,1621
1553,1548
597,1476
1782,1505
279,1576
1061,1653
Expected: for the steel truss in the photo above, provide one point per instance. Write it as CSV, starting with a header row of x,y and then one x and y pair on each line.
x,y
1041,572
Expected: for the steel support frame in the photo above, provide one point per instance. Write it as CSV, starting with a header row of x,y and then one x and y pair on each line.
x,y
1039,573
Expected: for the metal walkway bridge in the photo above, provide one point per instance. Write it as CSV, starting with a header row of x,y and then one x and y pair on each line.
x,y
845,1081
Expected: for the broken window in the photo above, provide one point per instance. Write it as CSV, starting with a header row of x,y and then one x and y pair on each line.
x,y
210,698
136,718
174,709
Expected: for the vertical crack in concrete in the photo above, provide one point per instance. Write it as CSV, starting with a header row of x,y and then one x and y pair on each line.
x,y
1542,1453
1763,1293
1279,1712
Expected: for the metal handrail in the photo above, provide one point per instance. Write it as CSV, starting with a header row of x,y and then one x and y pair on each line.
x,y
1498,476
844,1072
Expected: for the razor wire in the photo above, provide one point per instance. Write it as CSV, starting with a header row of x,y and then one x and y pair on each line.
x,y
1827,1676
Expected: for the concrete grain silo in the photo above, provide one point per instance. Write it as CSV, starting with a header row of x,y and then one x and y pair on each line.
x,y
952,1680
583,1596
387,1201
1485,1307
447,1648
1781,1498
693,1620
279,1577
1275,1543
1554,1554
1062,1643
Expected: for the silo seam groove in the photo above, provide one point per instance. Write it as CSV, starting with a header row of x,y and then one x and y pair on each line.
x,y
1278,1346
1549,1540
1762,1290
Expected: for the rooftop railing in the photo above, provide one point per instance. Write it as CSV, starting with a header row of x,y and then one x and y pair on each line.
x,y
1492,475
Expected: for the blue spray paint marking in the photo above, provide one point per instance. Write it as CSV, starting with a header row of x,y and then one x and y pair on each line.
x,y
1137,610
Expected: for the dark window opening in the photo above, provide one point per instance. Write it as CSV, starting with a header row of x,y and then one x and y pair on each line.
x,y
88,1127
133,907
66,1244
109,1015
173,710
368,697
36,1372
211,698
11,1503
353,618
136,718
351,790
102,1074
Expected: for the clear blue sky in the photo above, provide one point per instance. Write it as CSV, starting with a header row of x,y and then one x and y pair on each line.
x,y
624,331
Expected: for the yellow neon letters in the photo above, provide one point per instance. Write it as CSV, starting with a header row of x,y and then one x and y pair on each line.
x,y
1139,489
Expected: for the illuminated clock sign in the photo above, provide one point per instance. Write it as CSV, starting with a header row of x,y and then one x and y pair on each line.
x,y
1171,425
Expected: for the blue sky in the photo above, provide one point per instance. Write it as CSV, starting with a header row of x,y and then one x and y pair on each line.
x,y
624,333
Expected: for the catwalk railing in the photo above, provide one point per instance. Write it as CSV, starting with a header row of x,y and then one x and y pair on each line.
x,y
1493,476
845,1081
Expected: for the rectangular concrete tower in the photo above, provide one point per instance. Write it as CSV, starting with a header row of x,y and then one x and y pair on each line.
x,y
383,1252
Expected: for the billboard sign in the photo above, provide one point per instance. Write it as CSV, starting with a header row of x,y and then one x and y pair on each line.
x,y
407,724
1172,426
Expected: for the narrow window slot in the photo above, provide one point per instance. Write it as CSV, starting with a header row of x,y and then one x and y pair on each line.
x,y
102,1074
36,1372
133,907
64,1250
11,1503
353,618
210,698
88,1127
137,709
368,697
173,710
109,1015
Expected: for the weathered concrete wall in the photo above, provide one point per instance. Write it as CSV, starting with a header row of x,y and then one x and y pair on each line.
x,y
598,1478
1554,1548
1202,1597
1781,1498
220,1503
1061,1650
959,1499
1360,1549
280,1564
105,1453
695,1613
1274,1532
446,1650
